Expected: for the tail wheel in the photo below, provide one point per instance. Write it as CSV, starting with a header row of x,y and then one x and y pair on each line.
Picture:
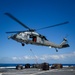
x,y
23,44
56,50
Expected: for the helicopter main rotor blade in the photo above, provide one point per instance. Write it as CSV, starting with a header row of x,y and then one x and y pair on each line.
x,y
14,32
11,16
53,25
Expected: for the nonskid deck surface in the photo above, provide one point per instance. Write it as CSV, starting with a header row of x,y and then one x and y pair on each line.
x,y
34,71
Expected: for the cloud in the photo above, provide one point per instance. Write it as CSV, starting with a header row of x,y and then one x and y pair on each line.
x,y
14,58
59,56
46,57
69,57
23,58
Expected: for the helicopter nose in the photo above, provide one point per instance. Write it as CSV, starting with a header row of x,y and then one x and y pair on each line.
x,y
13,37
9,37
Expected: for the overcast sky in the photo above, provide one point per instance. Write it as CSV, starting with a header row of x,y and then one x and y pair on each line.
x,y
36,14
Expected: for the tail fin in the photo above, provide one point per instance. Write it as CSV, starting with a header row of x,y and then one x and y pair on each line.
x,y
64,44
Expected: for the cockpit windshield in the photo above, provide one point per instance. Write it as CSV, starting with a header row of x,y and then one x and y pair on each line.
x,y
43,37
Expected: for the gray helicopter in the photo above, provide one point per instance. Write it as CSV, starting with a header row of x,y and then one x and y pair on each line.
x,y
30,36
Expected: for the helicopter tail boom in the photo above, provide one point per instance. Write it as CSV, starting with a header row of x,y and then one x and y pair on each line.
x,y
64,44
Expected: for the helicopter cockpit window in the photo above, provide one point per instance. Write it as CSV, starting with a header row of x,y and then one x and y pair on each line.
x,y
44,37
20,34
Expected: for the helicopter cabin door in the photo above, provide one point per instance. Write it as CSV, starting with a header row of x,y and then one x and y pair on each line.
x,y
34,39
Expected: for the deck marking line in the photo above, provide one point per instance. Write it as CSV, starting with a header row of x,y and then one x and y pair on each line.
x,y
40,72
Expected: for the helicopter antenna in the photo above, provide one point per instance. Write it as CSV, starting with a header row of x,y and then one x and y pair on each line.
x,y
65,38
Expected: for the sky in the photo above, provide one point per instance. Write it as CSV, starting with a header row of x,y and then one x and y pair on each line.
x,y
36,14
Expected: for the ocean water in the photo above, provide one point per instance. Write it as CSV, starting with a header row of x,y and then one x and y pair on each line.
x,y
9,65
14,65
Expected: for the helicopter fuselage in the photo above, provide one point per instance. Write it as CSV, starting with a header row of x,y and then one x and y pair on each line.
x,y
32,37
35,39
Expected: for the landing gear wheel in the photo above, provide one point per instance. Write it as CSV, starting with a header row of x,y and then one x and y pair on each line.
x,y
23,44
56,50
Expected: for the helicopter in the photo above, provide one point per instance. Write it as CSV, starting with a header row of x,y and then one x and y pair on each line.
x,y
30,36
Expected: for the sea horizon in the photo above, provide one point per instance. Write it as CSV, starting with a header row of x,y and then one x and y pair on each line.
x,y
15,64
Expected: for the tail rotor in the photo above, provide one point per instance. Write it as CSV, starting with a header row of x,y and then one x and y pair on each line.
x,y
65,38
